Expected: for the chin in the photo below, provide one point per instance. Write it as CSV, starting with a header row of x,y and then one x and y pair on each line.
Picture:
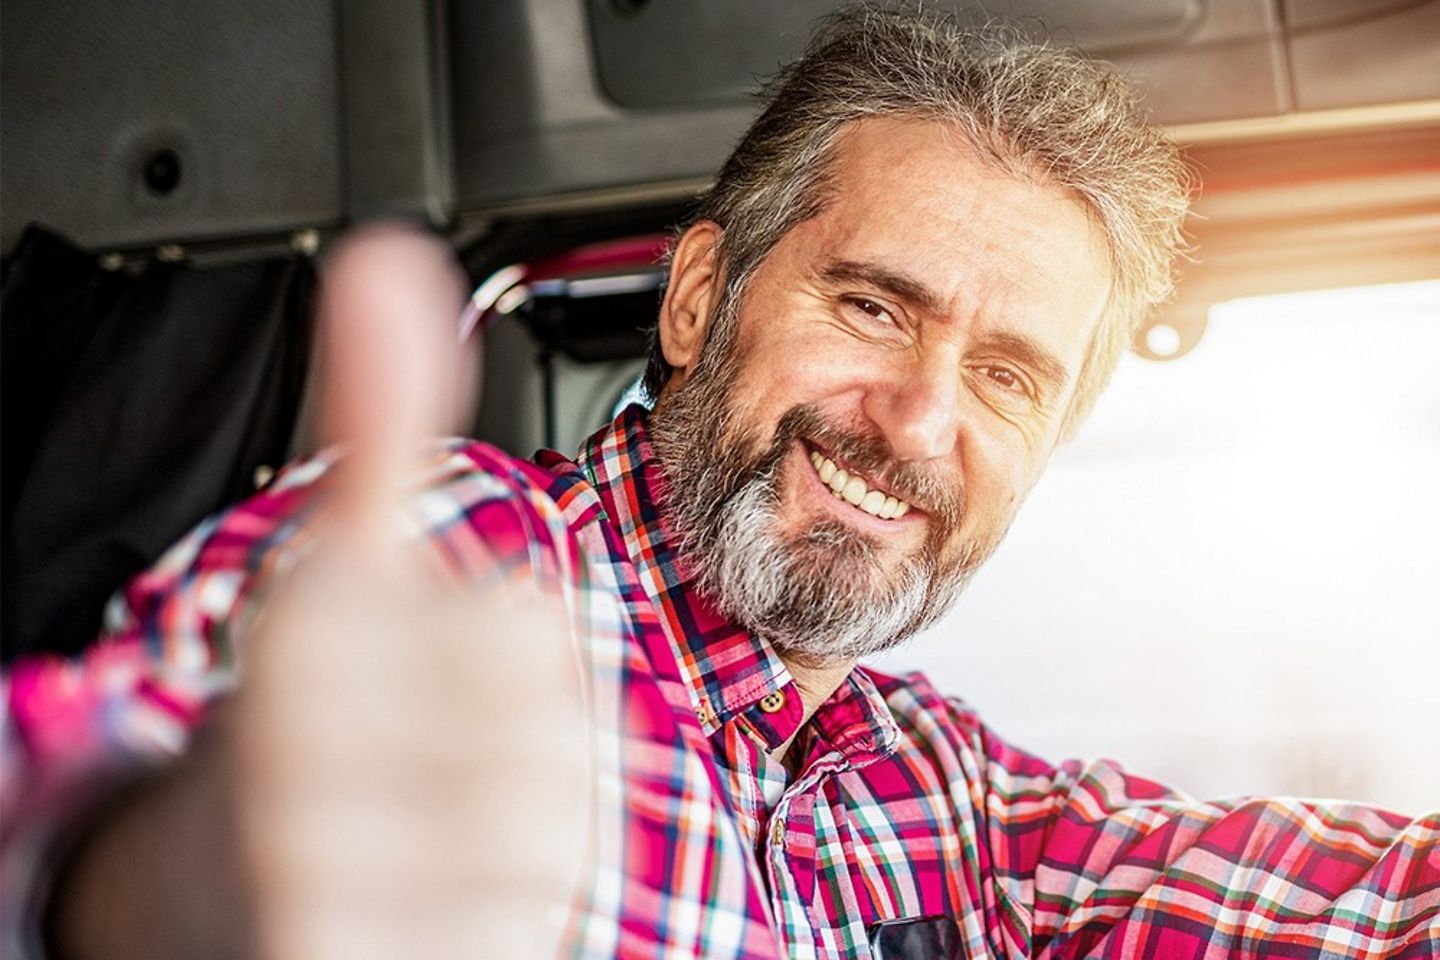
x,y
824,592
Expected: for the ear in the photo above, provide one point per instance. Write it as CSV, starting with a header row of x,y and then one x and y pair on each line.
x,y
690,297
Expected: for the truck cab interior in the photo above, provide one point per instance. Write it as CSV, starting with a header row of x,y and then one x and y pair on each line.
x,y
1254,498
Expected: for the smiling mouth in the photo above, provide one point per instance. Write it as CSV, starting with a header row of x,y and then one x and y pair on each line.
x,y
856,490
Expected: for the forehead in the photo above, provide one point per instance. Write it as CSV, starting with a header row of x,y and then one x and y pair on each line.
x,y
916,197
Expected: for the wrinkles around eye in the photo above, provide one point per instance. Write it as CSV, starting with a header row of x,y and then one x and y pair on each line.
x,y
1006,381
869,310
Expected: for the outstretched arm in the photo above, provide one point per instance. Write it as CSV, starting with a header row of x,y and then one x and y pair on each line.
x,y
1092,861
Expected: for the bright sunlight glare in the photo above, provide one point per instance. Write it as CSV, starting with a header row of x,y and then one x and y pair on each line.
x,y
1228,580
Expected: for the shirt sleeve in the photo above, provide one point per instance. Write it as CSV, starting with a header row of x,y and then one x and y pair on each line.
x,y
1091,861
74,730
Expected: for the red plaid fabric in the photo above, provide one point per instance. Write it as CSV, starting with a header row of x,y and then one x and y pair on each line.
x,y
904,804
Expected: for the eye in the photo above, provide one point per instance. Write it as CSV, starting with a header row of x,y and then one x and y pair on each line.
x,y
1002,377
872,310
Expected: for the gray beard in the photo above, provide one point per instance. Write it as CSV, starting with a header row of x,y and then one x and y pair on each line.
x,y
821,596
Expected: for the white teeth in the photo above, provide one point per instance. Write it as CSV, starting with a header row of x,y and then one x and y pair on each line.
x,y
853,489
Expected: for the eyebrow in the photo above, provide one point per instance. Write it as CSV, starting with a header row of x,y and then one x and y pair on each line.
x,y
1024,350
882,278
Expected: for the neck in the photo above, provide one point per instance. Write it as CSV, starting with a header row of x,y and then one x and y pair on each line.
x,y
816,682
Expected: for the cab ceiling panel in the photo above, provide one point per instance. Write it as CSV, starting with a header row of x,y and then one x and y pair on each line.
x,y
1353,53
674,54
136,122
553,97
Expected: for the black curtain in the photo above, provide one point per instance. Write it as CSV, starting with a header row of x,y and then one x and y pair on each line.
x,y
134,405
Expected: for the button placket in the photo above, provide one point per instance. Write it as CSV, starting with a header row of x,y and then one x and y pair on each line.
x,y
790,864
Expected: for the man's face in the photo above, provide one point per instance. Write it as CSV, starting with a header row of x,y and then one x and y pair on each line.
x,y
845,454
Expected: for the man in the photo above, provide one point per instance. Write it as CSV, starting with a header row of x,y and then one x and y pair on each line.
x,y
909,283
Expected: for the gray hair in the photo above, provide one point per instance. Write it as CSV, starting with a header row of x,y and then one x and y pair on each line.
x,y
1036,110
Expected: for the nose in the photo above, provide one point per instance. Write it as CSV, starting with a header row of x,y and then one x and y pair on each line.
x,y
918,408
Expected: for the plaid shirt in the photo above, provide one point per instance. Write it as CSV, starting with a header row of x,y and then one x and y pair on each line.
x,y
905,804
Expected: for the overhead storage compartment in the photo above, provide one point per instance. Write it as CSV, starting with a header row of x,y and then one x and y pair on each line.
x,y
136,123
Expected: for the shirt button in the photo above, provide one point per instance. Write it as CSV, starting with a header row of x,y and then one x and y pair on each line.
x,y
773,703
703,713
777,831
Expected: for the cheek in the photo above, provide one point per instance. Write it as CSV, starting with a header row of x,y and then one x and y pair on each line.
x,y
999,473
782,371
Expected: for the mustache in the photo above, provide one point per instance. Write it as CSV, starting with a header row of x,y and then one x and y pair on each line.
x,y
940,497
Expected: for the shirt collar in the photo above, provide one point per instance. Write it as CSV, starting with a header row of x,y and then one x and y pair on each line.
x,y
730,673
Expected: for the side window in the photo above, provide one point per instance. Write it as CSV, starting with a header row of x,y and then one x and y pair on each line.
x,y
1236,560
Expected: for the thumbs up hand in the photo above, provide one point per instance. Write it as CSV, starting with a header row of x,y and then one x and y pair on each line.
x,y
408,753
